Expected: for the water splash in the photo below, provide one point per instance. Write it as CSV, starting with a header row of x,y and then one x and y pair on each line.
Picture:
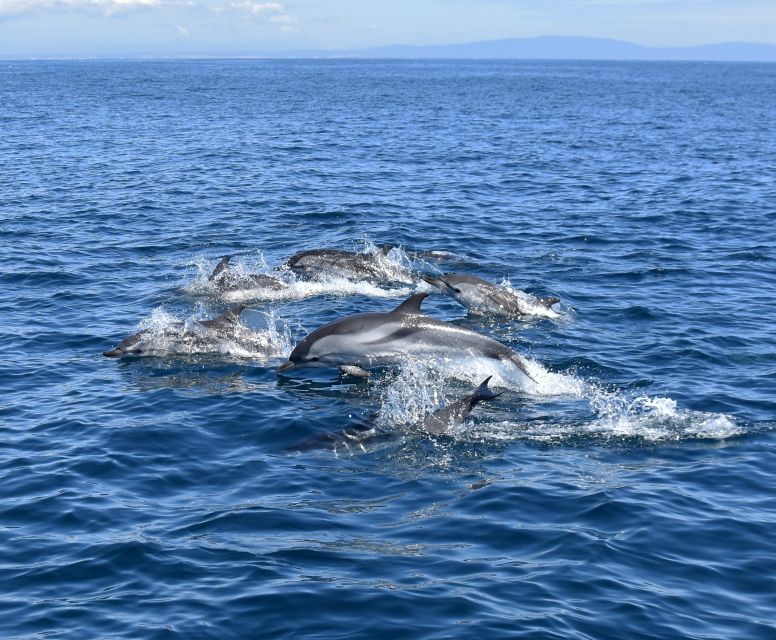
x,y
529,302
547,411
167,335
393,266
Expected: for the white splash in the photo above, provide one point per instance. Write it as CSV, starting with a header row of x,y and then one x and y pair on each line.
x,y
168,335
394,265
419,388
529,302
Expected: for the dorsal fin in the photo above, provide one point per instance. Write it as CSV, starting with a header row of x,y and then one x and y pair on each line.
x,y
232,314
483,392
411,305
220,267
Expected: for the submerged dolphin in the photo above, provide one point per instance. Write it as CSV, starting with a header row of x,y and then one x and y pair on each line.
x,y
226,280
485,298
219,327
316,264
383,339
363,436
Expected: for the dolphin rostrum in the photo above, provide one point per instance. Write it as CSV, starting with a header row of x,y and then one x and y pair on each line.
x,y
316,264
363,436
226,280
383,339
138,343
485,298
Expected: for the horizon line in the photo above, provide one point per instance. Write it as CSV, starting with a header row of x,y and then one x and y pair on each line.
x,y
373,52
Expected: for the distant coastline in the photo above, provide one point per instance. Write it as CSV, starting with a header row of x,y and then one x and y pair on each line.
x,y
537,48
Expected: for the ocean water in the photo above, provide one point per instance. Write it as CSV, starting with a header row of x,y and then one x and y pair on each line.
x,y
629,492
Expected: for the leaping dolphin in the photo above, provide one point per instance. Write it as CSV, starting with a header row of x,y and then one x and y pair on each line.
x,y
363,436
383,339
220,327
485,298
226,280
316,264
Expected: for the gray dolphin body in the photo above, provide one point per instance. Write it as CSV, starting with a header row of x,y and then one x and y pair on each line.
x,y
383,339
317,264
485,298
364,436
221,327
226,280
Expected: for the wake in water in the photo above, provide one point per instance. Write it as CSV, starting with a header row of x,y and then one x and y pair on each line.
x,y
584,409
253,279
164,335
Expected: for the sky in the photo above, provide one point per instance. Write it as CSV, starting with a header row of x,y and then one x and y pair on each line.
x,y
30,28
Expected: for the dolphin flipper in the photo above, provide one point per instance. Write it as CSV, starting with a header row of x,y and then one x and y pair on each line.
x,y
520,363
353,370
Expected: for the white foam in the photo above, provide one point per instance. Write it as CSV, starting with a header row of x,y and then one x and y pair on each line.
x,y
420,387
394,266
583,409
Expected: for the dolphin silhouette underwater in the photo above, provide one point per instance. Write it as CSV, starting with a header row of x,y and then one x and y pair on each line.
x,y
226,280
365,340
363,436
316,264
198,337
481,297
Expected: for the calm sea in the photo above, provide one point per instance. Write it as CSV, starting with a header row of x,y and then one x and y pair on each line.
x,y
628,494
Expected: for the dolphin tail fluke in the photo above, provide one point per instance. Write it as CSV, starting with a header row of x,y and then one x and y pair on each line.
x,y
549,301
520,363
483,392
220,268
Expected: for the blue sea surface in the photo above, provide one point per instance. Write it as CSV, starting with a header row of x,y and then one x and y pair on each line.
x,y
628,493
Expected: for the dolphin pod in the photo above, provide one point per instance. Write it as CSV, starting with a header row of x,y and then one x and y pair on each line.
x,y
357,343
387,338
363,436
481,297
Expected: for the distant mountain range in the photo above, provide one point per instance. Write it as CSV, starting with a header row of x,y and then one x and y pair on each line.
x,y
553,48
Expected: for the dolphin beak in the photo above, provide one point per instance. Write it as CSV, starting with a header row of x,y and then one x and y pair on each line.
x,y
286,366
440,284
113,353
436,282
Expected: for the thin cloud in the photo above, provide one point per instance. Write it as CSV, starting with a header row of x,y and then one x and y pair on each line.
x,y
104,7
270,11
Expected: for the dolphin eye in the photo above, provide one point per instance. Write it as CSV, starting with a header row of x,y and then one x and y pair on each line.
x,y
456,289
315,359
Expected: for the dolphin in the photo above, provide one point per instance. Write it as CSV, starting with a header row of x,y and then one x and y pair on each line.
x,y
220,327
317,264
481,297
364,436
225,280
388,338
